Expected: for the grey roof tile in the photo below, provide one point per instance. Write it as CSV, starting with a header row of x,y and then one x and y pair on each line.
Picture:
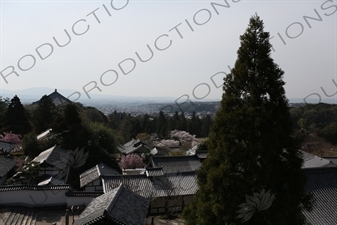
x,y
6,165
310,160
56,98
95,172
176,164
322,183
174,184
139,184
34,187
119,205
154,171
55,156
7,146
132,146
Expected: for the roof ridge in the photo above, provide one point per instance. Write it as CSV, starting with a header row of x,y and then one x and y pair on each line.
x,y
115,198
53,148
98,170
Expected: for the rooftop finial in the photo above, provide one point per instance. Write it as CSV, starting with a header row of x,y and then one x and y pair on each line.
x,y
55,90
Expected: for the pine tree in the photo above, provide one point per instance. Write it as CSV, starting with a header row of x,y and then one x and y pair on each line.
x,y
16,118
44,115
251,151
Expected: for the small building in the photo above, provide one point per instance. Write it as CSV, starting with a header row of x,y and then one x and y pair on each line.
x,y
53,161
134,146
176,164
91,180
56,98
6,167
166,192
119,206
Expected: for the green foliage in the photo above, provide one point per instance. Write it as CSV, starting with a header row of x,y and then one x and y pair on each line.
x,y
31,146
4,102
44,115
68,130
250,146
316,119
101,136
29,174
329,133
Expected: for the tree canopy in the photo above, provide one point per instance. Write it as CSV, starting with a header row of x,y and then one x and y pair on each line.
x,y
252,154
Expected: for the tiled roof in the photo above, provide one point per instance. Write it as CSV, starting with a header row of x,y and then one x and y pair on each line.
x,y
331,159
152,172
43,134
95,172
322,183
311,160
55,156
174,184
176,164
119,205
84,193
7,146
132,146
139,184
6,165
51,181
202,154
56,98
34,187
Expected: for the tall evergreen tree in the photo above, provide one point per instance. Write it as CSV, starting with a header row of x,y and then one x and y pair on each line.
x,y
251,147
44,114
16,117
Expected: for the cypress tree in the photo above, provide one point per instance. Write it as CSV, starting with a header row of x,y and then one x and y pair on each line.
x,y
253,171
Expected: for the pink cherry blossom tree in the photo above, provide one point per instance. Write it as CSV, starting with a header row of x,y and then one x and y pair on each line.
x,y
11,137
131,161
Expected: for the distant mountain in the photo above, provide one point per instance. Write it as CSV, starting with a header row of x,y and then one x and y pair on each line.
x,y
34,94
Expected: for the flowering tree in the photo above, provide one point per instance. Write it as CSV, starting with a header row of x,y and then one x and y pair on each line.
x,y
11,137
131,161
168,144
182,136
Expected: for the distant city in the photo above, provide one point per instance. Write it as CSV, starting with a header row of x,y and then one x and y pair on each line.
x,y
140,105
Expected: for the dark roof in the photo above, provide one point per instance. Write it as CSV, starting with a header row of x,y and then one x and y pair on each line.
x,y
119,205
7,146
51,181
154,171
95,172
176,164
84,193
34,187
55,156
6,165
322,183
139,184
173,184
310,160
57,98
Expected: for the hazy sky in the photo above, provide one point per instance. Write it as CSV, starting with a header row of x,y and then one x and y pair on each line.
x,y
191,41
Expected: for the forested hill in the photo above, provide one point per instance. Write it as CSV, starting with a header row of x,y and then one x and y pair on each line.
x,y
316,126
